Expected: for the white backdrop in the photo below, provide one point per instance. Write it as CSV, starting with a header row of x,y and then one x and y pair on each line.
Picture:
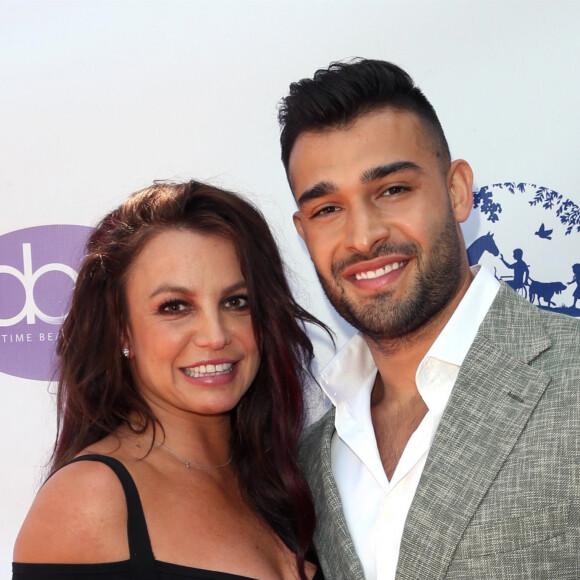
x,y
98,99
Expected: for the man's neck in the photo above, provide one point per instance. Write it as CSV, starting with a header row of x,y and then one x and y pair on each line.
x,y
397,365
397,359
397,407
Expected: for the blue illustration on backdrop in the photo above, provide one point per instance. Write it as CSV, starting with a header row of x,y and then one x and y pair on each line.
x,y
528,236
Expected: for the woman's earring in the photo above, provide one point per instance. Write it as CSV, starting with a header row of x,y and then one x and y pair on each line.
x,y
126,352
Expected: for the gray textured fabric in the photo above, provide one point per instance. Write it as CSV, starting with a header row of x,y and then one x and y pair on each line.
x,y
332,540
499,497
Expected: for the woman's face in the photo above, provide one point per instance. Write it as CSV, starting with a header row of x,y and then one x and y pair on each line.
x,y
190,336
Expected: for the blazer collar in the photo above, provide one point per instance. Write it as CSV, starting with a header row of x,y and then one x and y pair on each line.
x,y
332,539
493,398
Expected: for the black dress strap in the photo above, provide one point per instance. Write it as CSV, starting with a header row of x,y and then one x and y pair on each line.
x,y
141,555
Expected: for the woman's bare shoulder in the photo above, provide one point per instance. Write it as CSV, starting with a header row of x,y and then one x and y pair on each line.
x,y
78,516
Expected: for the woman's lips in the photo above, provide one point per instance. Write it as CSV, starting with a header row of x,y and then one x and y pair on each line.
x,y
209,370
214,372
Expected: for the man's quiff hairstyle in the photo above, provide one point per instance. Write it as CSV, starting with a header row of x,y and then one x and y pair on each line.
x,y
335,97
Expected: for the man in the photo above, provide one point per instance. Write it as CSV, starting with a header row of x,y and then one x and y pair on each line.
x,y
452,450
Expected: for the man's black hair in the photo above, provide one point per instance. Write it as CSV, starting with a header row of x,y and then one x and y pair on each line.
x,y
335,97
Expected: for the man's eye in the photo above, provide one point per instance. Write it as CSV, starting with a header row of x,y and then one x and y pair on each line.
x,y
394,190
239,302
326,211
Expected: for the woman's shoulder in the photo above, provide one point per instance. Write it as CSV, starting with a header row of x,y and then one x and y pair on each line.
x,y
79,515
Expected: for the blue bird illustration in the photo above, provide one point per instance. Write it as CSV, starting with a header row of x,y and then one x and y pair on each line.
x,y
544,233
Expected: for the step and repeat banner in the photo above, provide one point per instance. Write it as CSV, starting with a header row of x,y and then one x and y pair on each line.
x,y
99,99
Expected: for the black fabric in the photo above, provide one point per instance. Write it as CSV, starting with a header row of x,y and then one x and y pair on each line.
x,y
141,554
141,565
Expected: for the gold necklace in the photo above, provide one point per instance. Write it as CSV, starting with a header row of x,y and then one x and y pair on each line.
x,y
187,462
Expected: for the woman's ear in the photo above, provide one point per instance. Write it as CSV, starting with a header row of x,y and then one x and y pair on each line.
x,y
126,344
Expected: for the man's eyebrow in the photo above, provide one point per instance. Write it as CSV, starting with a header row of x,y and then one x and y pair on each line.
x,y
385,170
319,190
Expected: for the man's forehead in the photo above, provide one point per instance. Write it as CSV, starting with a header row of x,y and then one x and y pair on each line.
x,y
386,130
390,130
386,120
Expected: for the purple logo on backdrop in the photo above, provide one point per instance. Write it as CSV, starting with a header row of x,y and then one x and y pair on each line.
x,y
38,269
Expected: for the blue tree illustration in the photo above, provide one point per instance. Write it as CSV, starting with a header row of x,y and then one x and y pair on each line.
x,y
547,197
569,214
567,211
484,199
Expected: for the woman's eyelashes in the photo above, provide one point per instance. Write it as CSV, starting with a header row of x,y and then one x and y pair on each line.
x,y
176,306
237,302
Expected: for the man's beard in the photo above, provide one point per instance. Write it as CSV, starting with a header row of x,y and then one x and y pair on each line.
x,y
383,317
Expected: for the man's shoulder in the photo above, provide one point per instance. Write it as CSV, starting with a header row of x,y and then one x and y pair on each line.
x,y
568,324
315,438
547,340
319,430
509,310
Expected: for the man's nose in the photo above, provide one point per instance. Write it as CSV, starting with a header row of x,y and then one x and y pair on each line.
x,y
365,226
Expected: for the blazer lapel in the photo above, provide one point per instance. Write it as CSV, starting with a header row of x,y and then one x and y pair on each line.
x,y
332,539
491,402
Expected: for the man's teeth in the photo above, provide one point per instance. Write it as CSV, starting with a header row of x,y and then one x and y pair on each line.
x,y
209,370
380,272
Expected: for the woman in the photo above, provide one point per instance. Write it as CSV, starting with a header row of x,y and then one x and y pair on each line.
x,y
181,363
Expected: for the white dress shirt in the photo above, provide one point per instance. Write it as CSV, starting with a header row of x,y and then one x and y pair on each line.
x,y
376,508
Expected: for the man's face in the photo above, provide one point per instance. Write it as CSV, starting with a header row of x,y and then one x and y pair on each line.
x,y
379,216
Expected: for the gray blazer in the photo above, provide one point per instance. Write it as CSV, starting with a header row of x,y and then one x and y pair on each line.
x,y
499,497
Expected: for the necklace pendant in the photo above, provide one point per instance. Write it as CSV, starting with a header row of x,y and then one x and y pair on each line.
x,y
187,462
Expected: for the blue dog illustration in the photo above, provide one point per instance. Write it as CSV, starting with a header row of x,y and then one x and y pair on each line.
x,y
545,291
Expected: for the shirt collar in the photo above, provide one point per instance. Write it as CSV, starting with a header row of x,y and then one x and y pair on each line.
x,y
349,376
456,338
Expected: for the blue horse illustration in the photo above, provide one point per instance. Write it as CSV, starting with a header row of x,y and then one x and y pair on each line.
x,y
484,243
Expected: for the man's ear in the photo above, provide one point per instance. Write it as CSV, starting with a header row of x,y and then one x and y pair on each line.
x,y
297,217
460,186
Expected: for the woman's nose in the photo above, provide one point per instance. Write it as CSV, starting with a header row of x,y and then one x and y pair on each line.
x,y
211,332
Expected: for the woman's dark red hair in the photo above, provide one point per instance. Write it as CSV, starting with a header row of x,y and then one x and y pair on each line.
x,y
97,392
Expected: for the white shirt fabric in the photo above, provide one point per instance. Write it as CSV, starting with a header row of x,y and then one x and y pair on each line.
x,y
376,508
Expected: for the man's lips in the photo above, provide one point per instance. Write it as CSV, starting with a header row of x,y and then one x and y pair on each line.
x,y
370,274
376,268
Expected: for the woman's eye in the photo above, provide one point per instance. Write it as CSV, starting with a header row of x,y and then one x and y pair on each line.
x,y
173,307
239,302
